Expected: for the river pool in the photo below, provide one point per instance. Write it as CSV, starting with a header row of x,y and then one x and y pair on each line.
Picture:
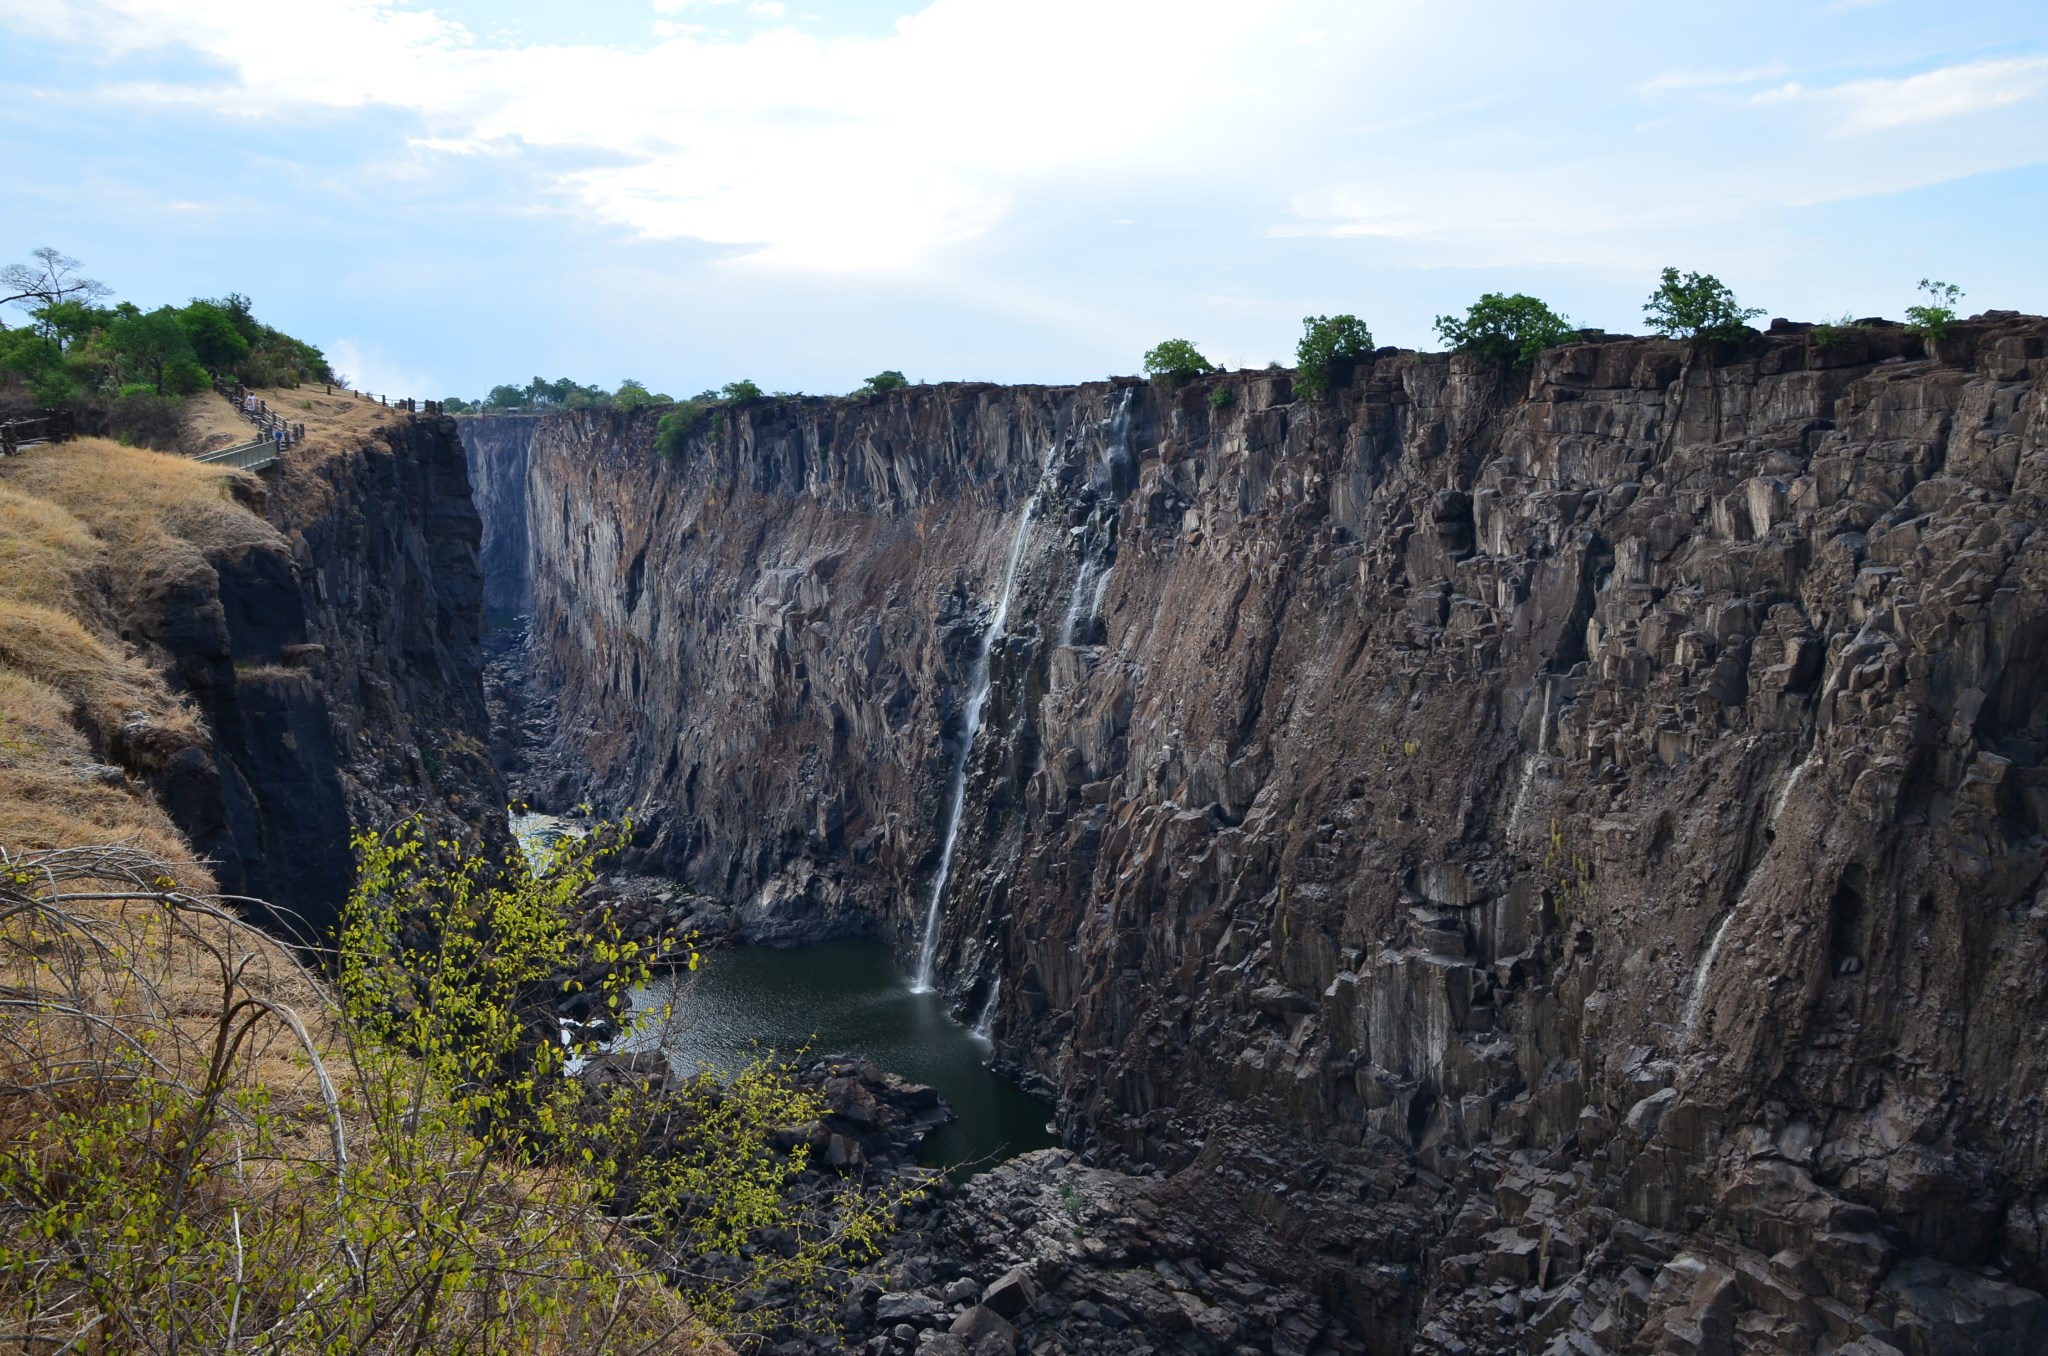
x,y
847,998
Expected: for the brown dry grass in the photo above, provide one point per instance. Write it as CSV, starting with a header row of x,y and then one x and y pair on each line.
x,y
138,501
211,423
82,525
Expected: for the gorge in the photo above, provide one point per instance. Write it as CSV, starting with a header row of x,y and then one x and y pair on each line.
x,y
1540,860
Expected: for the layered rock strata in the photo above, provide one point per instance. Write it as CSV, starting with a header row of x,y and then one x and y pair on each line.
x,y
1541,860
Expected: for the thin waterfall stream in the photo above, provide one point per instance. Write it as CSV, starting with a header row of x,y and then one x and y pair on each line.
x,y
977,698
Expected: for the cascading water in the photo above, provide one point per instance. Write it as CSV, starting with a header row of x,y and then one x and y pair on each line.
x,y
1092,580
985,1025
977,698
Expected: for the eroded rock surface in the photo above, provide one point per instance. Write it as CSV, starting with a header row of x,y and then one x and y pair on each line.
x,y
1540,862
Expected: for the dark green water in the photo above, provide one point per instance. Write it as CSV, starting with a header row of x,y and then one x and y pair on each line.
x,y
846,998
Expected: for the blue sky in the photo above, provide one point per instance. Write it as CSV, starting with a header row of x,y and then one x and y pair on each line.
x,y
688,191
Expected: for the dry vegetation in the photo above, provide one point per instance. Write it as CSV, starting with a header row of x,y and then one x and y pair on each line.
x,y
82,526
199,1152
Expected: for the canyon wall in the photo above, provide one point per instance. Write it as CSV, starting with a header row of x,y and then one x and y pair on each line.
x,y
1548,857
336,664
496,450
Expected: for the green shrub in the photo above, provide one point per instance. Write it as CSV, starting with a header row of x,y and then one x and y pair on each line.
x,y
1325,342
1175,361
198,1153
1505,329
217,342
890,380
1932,321
1699,307
741,392
1221,398
681,424
1829,335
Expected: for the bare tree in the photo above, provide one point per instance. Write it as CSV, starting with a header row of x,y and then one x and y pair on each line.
x,y
52,278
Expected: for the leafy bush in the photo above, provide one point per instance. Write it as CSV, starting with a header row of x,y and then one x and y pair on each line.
x,y
1829,335
1699,307
1176,360
1325,342
681,424
890,380
197,1152
632,395
1505,329
1932,320
741,392
1221,398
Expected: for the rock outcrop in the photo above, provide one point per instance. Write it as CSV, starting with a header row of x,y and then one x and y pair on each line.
x,y
337,667
386,535
1542,859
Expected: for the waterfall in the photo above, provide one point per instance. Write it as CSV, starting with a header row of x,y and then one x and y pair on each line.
x,y
977,697
1073,616
1095,570
1699,983
985,1025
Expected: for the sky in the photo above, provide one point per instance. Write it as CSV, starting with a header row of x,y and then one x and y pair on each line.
x,y
806,192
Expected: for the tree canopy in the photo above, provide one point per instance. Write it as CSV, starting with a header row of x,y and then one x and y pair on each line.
x,y
1176,360
1327,340
76,348
1699,307
1505,328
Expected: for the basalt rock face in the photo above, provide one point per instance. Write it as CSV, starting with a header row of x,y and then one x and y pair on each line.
x,y
337,664
496,452
385,536
1551,858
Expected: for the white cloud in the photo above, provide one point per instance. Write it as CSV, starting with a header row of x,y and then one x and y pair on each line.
x,y
918,152
1950,92
1677,80
835,154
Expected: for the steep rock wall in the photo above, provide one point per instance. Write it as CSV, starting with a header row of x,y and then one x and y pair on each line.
x,y
496,449
1579,832
337,667
385,535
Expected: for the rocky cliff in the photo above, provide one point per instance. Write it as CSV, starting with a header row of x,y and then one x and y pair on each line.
x,y
385,534
335,661
1542,858
496,450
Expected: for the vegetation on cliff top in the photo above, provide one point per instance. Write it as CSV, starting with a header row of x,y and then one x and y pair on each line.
x,y
1505,329
76,350
1326,341
1699,307
1176,360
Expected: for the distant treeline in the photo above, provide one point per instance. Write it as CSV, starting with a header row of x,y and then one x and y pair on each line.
x,y
564,394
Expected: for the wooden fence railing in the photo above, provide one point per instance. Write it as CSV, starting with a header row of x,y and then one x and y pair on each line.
x,y
53,427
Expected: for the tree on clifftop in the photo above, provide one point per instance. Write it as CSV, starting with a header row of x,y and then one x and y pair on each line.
x,y
1505,329
51,279
1327,340
1176,361
1699,307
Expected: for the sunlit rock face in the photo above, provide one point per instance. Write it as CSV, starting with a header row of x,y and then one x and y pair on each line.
x,y
1568,834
